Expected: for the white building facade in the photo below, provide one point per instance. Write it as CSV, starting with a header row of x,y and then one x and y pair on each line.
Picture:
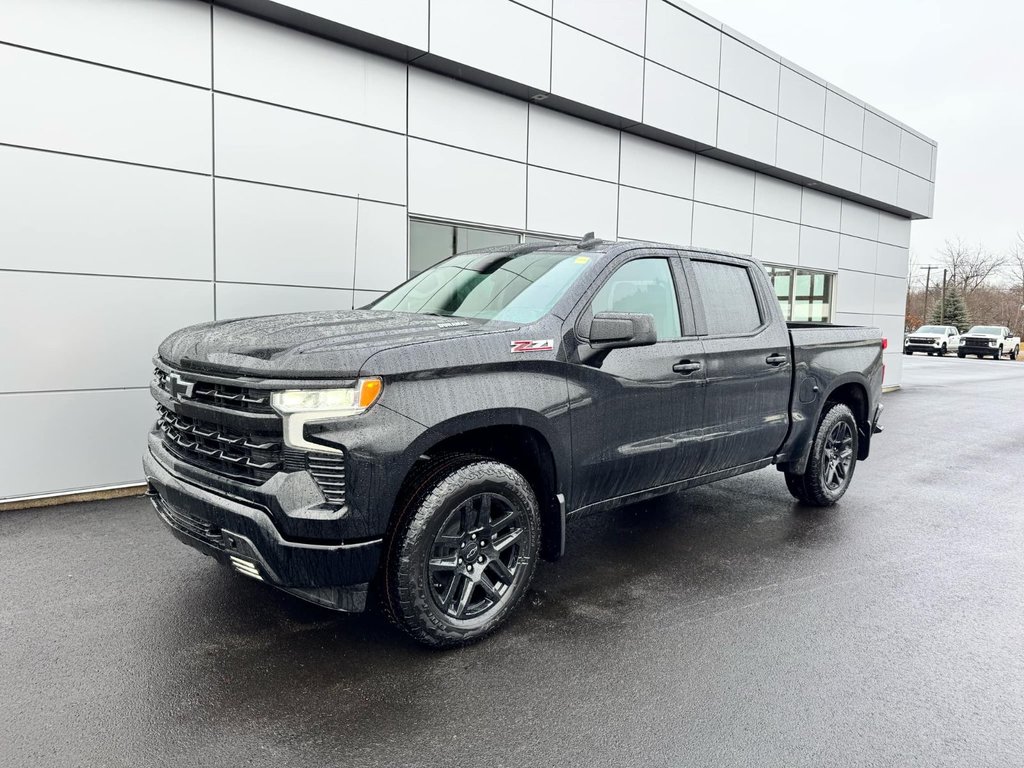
x,y
168,162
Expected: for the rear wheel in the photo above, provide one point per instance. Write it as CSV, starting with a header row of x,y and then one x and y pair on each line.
x,y
832,462
1015,352
463,553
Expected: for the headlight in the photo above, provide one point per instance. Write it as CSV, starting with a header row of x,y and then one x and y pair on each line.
x,y
300,407
991,343
962,342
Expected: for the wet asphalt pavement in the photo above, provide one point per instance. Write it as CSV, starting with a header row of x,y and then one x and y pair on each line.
x,y
723,626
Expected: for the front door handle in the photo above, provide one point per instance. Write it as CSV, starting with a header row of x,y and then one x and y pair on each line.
x,y
776,359
686,367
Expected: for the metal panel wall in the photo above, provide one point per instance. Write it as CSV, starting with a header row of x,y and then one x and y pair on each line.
x,y
232,166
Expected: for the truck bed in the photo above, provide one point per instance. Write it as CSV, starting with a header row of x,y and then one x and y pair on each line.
x,y
826,356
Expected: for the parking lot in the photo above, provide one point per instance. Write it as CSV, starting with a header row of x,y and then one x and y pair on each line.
x,y
723,626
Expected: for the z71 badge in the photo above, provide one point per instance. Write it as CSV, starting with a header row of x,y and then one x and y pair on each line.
x,y
533,345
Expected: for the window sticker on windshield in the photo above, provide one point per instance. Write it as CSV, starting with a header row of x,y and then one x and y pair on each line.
x,y
533,345
581,260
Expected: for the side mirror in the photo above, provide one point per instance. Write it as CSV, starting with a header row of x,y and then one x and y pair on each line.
x,y
613,330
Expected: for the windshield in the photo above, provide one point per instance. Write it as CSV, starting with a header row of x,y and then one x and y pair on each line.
x,y
931,329
517,289
989,329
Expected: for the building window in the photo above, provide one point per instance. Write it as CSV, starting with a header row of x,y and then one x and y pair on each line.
x,y
804,295
431,242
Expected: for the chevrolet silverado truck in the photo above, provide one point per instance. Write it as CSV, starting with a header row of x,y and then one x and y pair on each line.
x,y
989,340
933,339
428,449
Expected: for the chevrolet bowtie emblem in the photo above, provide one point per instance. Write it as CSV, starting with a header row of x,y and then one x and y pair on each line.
x,y
178,387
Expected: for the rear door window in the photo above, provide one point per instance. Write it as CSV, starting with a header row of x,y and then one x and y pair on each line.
x,y
730,305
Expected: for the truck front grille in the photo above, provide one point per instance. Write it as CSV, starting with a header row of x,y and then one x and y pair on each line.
x,y
210,446
201,440
224,395
974,341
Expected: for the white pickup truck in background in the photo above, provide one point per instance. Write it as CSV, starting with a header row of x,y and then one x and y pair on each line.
x,y
989,340
933,339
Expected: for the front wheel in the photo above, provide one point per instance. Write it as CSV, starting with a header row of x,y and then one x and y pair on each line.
x,y
942,352
961,355
832,462
463,553
997,354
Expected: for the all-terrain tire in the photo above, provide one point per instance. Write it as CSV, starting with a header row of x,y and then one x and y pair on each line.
x,y
1015,352
432,496
811,487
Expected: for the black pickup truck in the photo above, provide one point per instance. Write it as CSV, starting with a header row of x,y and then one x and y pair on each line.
x,y
432,445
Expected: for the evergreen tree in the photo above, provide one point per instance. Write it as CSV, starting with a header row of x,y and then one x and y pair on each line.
x,y
952,312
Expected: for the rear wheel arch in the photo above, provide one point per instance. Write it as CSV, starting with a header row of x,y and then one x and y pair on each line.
x,y
853,395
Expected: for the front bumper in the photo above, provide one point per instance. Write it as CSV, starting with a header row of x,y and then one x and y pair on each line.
x,y
333,575
976,349
923,347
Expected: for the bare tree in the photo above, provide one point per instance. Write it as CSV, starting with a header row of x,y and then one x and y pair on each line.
x,y
970,266
1015,265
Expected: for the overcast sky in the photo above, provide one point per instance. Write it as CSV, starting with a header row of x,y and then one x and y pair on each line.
x,y
952,70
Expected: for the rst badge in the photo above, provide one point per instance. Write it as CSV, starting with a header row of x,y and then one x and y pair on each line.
x,y
533,345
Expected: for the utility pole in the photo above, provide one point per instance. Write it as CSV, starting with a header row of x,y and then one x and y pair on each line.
x,y
942,311
927,279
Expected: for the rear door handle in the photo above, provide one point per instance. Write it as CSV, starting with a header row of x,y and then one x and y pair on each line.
x,y
776,359
686,367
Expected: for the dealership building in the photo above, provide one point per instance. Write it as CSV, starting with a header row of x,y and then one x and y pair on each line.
x,y
169,162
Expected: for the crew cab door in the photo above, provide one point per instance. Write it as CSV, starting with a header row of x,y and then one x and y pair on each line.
x,y
636,412
747,356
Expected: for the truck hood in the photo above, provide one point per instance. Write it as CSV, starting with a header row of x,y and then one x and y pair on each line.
x,y
329,344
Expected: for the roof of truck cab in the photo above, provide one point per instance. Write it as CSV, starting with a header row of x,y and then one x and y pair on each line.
x,y
608,248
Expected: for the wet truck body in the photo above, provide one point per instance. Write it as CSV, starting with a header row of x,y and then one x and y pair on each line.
x,y
629,370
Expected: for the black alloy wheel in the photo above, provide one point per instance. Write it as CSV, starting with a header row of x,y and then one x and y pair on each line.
x,y
475,556
832,461
463,551
838,456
